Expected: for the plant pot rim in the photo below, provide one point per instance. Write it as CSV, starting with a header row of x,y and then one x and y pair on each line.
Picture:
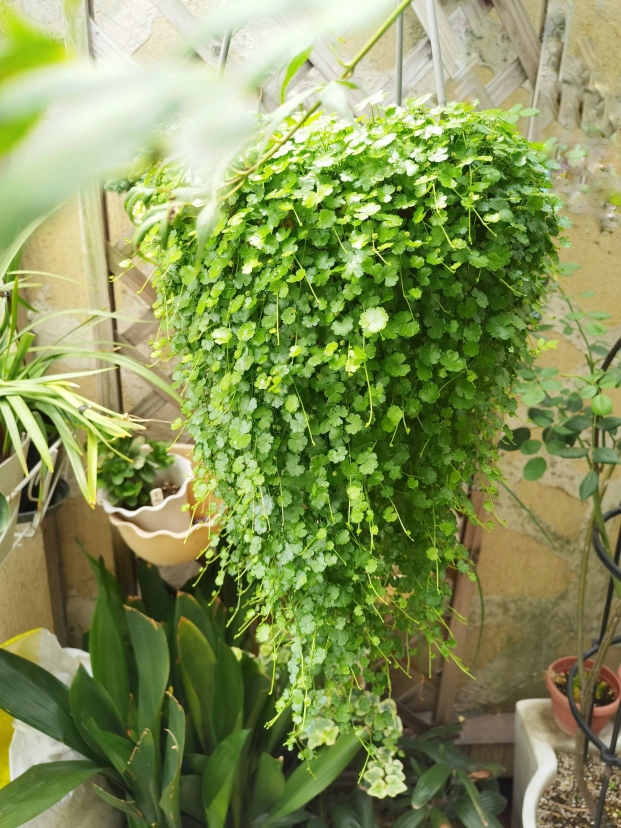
x,y
564,665
165,533
131,514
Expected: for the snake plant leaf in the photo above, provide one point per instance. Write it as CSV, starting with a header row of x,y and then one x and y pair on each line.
x,y
269,785
117,749
127,806
430,784
34,696
198,665
107,641
5,513
150,646
144,776
227,708
157,598
89,699
188,607
191,796
411,819
310,779
173,757
257,686
220,774
356,812
475,798
39,788
439,819
470,818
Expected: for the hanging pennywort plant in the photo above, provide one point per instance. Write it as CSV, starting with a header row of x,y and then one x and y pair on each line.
x,y
347,340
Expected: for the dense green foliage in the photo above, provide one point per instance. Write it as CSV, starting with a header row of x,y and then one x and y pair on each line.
x,y
210,757
127,472
445,787
347,338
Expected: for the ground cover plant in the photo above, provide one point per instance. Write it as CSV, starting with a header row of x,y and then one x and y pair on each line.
x,y
348,336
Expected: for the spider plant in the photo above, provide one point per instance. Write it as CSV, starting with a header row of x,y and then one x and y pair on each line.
x,y
31,395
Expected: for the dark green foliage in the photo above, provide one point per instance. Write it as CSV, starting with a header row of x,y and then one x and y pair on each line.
x,y
128,471
444,785
348,337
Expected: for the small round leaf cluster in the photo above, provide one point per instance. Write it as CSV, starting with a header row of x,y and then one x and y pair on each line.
x,y
347,338
128,471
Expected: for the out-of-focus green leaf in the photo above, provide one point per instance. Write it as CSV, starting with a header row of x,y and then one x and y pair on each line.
x,y
228,694
431,782
34,696
219,778
150,647
173,757
310,779
88,699
107,640
269,785
144,772
39,788
198,664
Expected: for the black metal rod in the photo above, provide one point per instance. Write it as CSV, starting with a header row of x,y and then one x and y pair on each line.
x,y
601,553
611,587
601,804
605,752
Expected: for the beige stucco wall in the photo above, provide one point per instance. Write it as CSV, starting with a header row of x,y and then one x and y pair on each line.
x,y
529,588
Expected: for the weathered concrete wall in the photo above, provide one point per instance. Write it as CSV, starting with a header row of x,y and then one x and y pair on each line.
x,y
529,587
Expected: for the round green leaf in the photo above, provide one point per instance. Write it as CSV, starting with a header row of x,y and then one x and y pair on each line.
x,y
602,405
530,446
535,468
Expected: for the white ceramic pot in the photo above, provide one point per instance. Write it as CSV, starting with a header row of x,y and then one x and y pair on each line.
x,y
168,515
11,475
537,741
166,548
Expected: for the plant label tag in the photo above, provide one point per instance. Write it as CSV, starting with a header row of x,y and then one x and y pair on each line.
x,y
157,497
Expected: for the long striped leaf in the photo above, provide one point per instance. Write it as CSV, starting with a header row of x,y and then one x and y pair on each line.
x,y
219,777
39,788
11,424
32,429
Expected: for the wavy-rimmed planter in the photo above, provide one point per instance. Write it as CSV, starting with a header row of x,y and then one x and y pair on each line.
x,y
537,741
169,513
167,547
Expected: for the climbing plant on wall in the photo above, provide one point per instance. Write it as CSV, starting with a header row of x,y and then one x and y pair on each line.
x,y
347,338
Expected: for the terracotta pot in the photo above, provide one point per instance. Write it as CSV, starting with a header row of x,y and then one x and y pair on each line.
x,y
560,705
168,515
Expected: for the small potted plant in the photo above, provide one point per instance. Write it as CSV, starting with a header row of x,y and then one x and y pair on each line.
x,y
606,696
141,482
146,490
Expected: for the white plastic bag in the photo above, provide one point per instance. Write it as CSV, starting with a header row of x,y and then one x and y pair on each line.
x,y
82,807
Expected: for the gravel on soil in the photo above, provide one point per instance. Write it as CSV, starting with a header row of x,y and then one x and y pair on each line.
x,y
560,807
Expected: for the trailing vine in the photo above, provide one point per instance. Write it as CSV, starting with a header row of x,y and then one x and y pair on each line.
x,y
347,341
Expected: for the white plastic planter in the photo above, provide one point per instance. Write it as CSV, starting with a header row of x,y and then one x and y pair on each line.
x,y
168,515
537,741
11,475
